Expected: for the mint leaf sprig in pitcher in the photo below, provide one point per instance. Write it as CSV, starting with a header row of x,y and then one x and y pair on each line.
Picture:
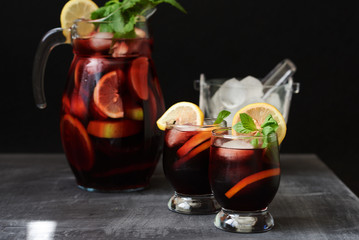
x,y
121,16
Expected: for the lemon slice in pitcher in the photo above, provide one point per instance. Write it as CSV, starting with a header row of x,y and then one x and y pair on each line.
x,y
75,9
181,113
259,112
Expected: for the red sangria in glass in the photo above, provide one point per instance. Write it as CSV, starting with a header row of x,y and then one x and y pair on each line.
x,y
244,173
185,164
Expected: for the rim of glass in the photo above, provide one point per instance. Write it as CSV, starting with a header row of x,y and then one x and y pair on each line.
x,y
215,133
168,124
218,82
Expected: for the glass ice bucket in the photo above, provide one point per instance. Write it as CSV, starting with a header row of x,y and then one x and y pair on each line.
x,y
220,94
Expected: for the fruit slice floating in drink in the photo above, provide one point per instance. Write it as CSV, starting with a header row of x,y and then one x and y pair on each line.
x,y
139,77
153,107
193,142
78,107
132,109
76,143
202,147
251,179
106,94
114,129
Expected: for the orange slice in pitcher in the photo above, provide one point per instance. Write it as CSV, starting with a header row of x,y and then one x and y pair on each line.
x,y
76,142
75,9
138,77
181,113
114,129
106,94
259,112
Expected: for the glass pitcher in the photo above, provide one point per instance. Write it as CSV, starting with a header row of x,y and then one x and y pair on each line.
x,y
110,105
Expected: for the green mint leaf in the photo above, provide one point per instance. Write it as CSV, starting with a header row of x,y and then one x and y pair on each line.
x,y
265,142
269,121
122,16
173,3
268,130
239,128
254,142
247,122
221,116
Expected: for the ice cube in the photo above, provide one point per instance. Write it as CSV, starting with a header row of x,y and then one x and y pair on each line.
x,y
238,144
214,105
119,49
253,100
176,137
94,65
140,33
186,128
253,86
101,41
274,99
230,94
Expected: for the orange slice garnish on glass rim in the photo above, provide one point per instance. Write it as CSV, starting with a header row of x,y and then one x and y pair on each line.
x,y
181,113
259,112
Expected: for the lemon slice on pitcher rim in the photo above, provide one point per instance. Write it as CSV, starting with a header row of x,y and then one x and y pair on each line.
x,y
181,113
75,9
259,112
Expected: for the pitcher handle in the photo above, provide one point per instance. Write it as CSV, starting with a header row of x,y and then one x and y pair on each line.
x,y
51,39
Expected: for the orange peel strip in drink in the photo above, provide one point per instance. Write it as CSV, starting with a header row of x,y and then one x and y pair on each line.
x,y
193,142
251,179
193,153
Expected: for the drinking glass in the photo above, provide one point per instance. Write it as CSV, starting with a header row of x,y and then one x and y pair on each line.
x,y
185,164
244,174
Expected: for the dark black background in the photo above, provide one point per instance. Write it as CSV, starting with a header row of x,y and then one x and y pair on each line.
x,y
218,38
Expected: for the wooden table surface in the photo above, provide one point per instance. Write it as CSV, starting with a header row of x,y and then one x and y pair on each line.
x,y
39,198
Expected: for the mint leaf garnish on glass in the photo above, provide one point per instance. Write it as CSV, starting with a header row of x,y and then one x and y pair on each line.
x,y
221,116
247,125
121,16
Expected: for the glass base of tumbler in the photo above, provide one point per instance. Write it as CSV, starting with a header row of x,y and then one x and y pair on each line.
x,y
244,222
193,204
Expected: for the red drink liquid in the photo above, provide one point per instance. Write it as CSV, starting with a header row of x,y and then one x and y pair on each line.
x,y
230,166
109,108
185,160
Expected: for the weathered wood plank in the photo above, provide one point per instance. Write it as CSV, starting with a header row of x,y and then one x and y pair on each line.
x,y
312,203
